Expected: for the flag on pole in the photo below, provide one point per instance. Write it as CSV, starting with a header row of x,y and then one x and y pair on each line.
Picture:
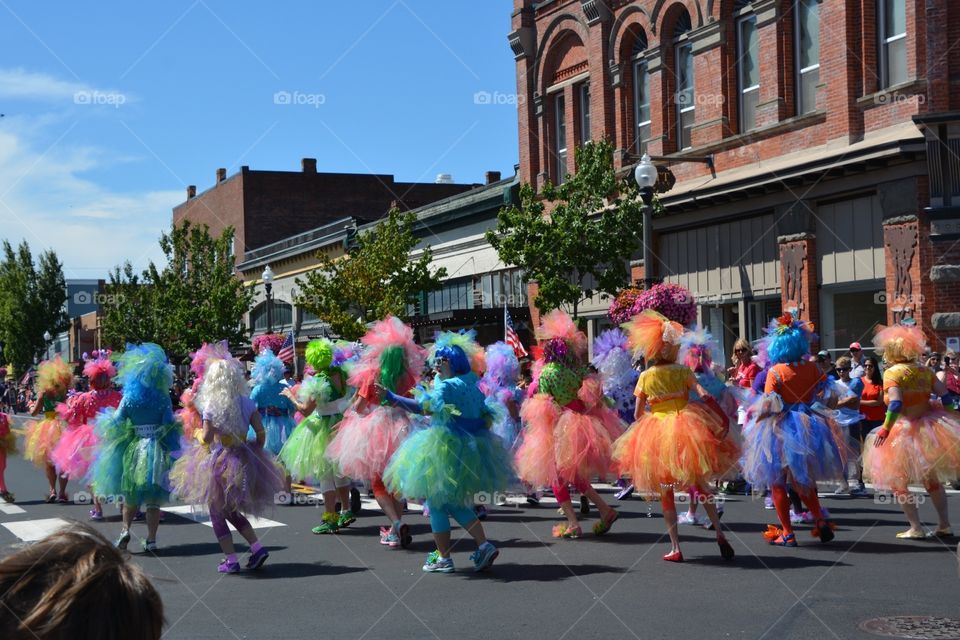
x,y
287,349
510,334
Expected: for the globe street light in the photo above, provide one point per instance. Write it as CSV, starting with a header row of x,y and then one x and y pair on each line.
x,y
646,176
46,344
267,276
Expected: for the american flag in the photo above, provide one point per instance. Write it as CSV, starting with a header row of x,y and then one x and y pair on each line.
x,y
287,349
510,334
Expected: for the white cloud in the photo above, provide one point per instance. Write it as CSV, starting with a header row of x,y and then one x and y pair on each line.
x,y
20,84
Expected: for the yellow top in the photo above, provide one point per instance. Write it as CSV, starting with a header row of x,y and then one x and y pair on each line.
x,y
666,387
915,384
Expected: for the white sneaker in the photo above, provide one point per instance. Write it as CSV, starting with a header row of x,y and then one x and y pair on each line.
x,y
687,518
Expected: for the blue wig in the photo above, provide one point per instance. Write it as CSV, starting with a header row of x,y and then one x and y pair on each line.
x,y
457,348
143,369
267,368
788,339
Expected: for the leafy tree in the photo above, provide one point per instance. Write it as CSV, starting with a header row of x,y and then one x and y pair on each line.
x,y
575,239
376,278
195,298
32,298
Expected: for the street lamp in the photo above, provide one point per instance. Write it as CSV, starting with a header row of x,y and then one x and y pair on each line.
x,y
267,276
646,176
46,344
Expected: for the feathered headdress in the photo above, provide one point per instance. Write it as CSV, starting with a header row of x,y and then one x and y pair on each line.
x,y
267,368
788,339
557,327
390,357
503,367
653,336
144,365
54,375
99,369
208,351
460,348
319,354
900,343
697,347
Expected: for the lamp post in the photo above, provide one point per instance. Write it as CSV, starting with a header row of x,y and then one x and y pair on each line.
x,y
646,176
46,344
267,276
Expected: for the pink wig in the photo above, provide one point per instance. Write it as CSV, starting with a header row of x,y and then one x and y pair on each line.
x,y
558,324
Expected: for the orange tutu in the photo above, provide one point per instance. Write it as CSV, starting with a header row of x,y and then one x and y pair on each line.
x,y
676,448
917,450
41,440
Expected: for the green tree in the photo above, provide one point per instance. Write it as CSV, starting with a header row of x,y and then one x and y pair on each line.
x,y
376,278
196,297
582,242
32,298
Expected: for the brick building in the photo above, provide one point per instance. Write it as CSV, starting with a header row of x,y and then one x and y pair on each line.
x,y
815,146
265,207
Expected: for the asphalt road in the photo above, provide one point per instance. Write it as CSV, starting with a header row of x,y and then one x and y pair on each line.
x,y
617,586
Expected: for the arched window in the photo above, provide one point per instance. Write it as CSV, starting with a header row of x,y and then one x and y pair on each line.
x,y
685,96
282,316
641,94
748,66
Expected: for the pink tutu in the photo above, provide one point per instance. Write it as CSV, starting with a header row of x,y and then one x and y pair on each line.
x,y
918,449
364,443
75,451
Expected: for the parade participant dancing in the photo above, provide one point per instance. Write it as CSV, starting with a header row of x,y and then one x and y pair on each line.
x,y
372,430
137,440
77,447
784,440
225,472
322,399
454,459
499,385
568,429
8,445
614,363
680,443
917,443
276,410
53,380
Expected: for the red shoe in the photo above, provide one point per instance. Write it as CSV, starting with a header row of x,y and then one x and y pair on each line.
x,y
674,556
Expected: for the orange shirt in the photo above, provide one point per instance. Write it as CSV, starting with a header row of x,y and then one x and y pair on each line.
x,y
794,382
872,392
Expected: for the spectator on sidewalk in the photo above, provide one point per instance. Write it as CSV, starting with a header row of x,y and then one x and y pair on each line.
x,y
856,361
826,364
873,410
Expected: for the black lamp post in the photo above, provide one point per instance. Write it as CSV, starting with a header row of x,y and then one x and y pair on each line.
x,y
267,276
646,176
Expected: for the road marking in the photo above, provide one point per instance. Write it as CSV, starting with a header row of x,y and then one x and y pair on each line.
x,y
33,530
11,509
199,514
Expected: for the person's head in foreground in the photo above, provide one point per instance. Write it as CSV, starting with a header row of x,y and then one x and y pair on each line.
x,y
75,584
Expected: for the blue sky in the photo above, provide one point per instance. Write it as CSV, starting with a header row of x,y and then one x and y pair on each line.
x,y
111,108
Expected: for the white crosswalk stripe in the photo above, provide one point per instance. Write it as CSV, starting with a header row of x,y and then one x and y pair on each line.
x,y
33,530
199,514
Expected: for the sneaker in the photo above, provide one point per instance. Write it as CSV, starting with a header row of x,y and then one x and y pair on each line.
x,y
481,512
150,546
624,494
687,518
96,514
256,559
859,492
768,503
122,540
384,532
807,517
842,490
389,538
483,557
403,535
795,518
436,564
228,567
346,519
329,524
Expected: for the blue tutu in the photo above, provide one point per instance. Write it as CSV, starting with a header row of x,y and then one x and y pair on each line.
x,y
278,428
794,439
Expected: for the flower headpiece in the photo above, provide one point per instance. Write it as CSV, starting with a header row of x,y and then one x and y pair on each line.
x,y
653,335
789,339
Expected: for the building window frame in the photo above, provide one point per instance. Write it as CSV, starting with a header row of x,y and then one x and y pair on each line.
x,y
885,43
686,92
560,136
748,95
641,103
806,76
583,111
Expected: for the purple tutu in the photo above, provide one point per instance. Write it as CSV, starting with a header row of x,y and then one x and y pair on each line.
x,y
242,478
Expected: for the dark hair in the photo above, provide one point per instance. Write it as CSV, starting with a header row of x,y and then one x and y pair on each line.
x,y
75,584
876,377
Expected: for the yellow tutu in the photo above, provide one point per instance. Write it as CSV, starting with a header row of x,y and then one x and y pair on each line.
x,y
42,438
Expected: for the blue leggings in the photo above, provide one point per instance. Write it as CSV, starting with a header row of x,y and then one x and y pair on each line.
x,y
440,518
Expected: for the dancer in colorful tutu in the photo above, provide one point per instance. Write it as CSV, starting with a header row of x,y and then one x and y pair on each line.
x,y
568,430
454,459
8,445
225,472
918,443
680,444
53,380
614,363
322,398
77,447
137,440
784,440
499,385
276,410
372,430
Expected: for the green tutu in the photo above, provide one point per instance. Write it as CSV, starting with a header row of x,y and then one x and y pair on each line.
x,y
449,467
304,452
133,468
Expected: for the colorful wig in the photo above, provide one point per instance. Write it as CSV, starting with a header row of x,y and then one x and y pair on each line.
x,y
144,366
653,336
697,347
99,369
459,348
503,367
208,351
54,376
900,343
223,384
789,339
558,325
390,357
267,368
319,354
